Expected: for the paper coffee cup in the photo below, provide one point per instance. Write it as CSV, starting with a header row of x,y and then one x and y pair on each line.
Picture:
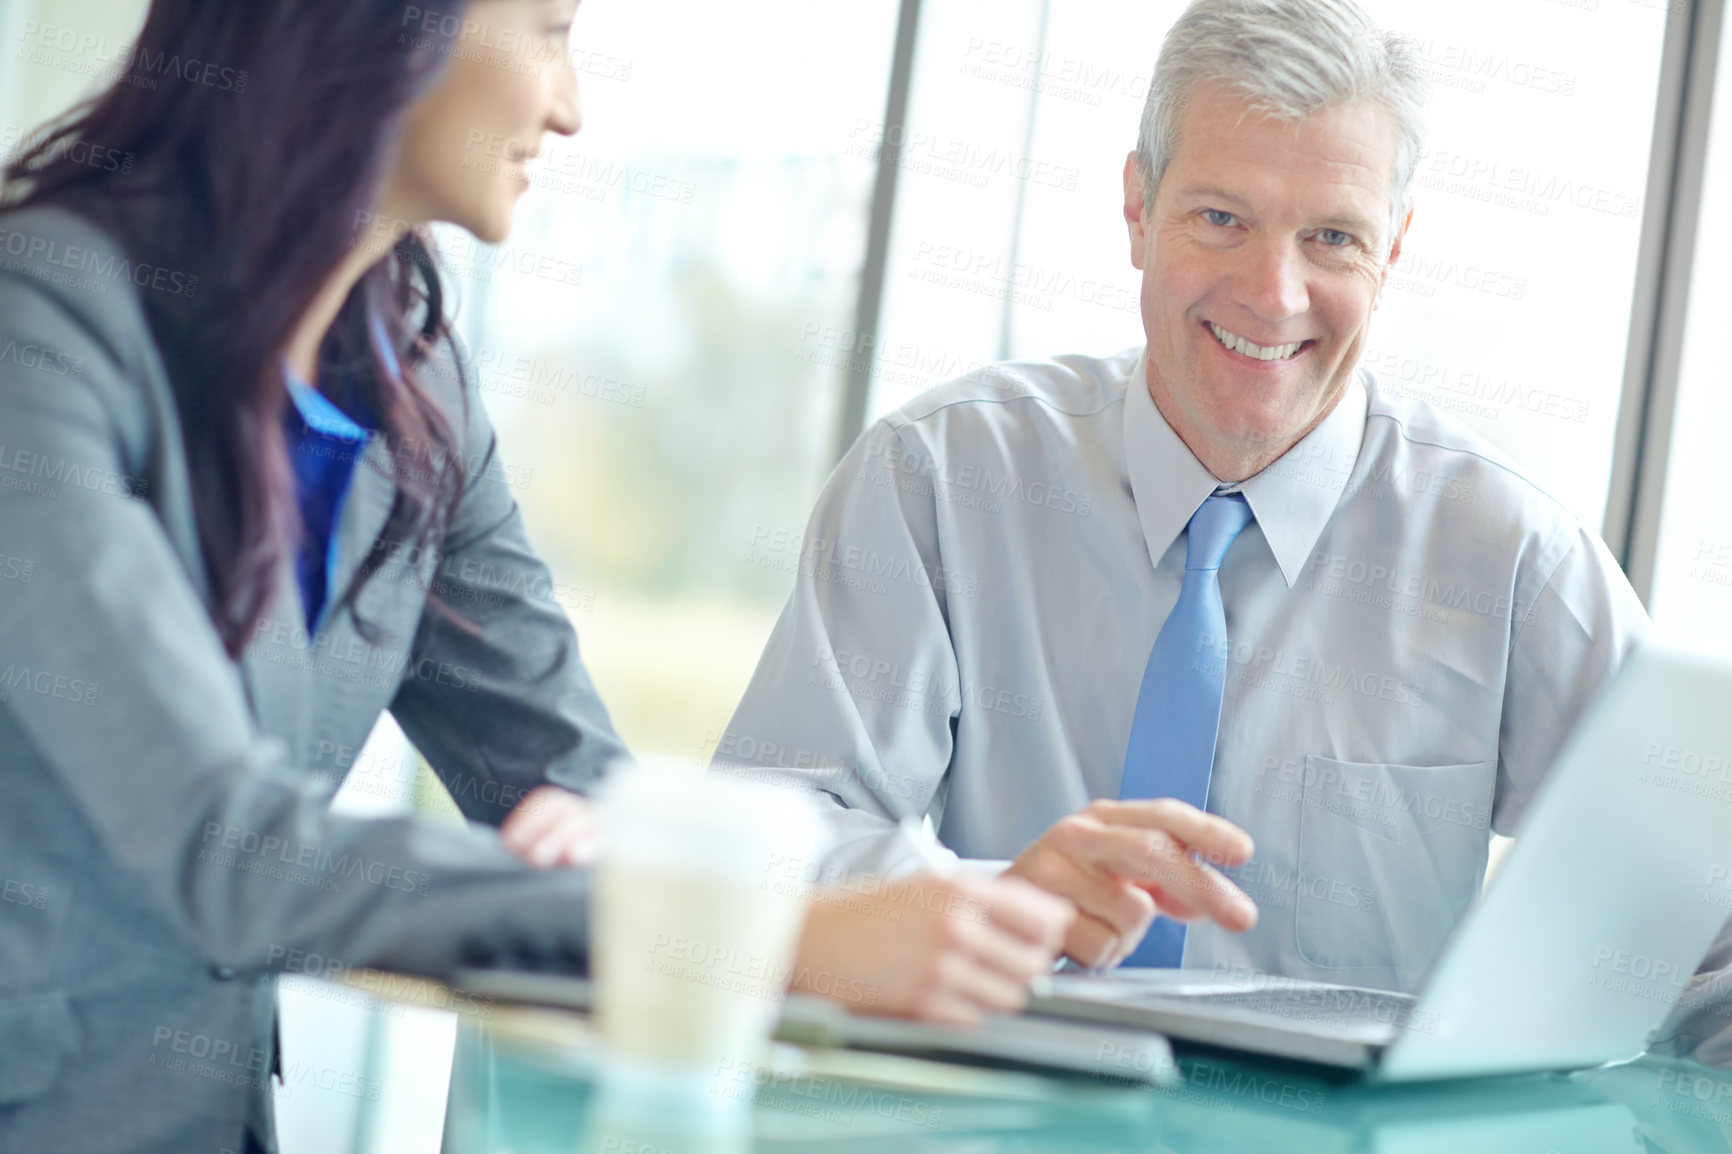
x,y
691,947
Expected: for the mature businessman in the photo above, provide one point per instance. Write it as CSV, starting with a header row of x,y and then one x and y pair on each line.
x,y
1215,589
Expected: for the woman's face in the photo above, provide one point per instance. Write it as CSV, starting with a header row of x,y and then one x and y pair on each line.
x,y
466,142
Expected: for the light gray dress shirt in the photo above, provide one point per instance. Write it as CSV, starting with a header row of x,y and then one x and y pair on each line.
x,y
1413,627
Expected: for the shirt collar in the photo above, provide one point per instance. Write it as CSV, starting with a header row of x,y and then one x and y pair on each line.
x,y
1292,499
320,415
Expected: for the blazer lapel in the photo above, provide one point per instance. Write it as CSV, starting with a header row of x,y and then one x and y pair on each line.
x,y
366,508
278,667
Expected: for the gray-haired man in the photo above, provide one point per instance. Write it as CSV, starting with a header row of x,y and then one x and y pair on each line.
x,y
1395,628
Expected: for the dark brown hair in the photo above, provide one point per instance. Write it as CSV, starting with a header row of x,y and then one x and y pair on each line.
x,y
257,136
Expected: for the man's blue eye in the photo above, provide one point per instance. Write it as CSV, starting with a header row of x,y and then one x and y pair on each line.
x,y
1334,237
1217,218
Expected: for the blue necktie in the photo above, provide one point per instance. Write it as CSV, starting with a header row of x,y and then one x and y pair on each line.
x,y
1172,747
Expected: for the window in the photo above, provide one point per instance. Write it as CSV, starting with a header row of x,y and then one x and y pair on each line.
x,y
665,374
1693,564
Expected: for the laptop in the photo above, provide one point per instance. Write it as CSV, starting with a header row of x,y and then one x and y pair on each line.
x,y
1127,1055
1619,881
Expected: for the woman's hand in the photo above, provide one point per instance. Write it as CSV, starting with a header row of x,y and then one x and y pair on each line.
x,y
553,827
939,949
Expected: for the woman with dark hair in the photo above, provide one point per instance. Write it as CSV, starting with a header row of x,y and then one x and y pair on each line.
x,y
254,501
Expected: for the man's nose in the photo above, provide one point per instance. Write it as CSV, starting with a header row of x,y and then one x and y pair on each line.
x,y
1271,282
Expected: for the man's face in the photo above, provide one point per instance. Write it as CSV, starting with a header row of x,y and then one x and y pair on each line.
x,y
1268,231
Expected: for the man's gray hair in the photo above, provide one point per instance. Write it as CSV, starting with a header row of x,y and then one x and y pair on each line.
x,y
1290,58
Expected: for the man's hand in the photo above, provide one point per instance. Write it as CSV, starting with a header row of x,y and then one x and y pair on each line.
x,y
553,827
1122,862
943,950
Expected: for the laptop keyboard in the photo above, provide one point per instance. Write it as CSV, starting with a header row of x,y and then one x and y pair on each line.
x,y
1334,1008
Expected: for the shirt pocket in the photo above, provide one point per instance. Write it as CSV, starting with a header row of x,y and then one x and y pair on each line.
x,y
1407,844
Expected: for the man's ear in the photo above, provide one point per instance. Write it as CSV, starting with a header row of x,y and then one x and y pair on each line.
x,y
1136,211
1395,249
1394,255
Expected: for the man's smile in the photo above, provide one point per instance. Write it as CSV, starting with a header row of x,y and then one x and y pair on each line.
x,y
1246,348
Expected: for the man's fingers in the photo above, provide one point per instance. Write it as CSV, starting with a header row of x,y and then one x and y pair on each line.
x,y
1176,909
1218,840
1200,890
1093,943
1156,861
1125,909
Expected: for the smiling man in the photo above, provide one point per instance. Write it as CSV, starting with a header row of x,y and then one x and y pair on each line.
x,y
1214,628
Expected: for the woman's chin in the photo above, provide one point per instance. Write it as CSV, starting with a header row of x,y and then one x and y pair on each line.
x,y
489,226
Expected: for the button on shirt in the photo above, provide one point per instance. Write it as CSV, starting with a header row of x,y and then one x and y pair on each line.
x,y
1413,627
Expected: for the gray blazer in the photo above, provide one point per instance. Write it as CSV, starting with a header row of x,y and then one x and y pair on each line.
x,y
166,842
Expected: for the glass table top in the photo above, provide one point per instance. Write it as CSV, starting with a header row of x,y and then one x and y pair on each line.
x,y
536,1082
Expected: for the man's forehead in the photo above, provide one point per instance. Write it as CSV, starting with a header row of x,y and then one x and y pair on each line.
x,y
1339,160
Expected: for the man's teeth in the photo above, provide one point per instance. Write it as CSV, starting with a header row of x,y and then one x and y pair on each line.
x,y
1240,345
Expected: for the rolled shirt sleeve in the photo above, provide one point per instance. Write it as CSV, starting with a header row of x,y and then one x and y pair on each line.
x,y
856,694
